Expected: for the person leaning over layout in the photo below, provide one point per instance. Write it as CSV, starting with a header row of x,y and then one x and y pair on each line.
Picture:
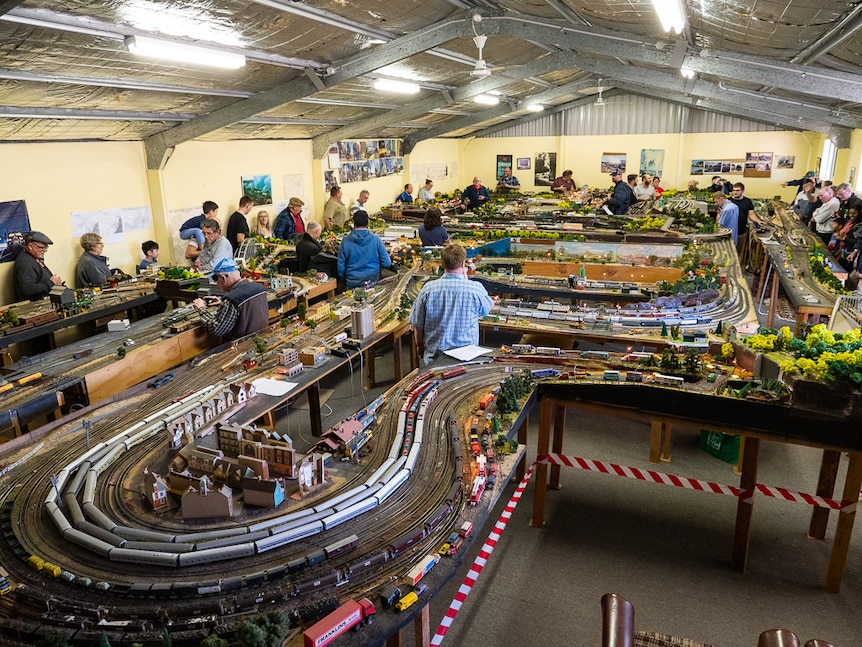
x,y
241,311
446,312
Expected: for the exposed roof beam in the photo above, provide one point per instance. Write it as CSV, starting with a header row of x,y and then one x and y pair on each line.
x,y
48,19
499,111
831,39
746,100
301,87
14,112
321,143
566,12
816,81
123,84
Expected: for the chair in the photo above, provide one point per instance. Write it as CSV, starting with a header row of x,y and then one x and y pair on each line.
x,y
778,638
816,642
618,621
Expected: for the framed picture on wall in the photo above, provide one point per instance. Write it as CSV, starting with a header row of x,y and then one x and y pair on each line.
x,y
503,161
258,188
545,170
15,221
523,163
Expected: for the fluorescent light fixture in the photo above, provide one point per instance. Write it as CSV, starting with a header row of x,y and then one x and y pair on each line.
x,y
535,107
394,85
671,14
154,48
486,99
686,72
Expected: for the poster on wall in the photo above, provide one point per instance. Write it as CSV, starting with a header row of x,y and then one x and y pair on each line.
x,y
258,188
652,161
785,161
545,169
14,223
329,181
733,167
613,162
758,165
108,223
503,161
523,163
696,167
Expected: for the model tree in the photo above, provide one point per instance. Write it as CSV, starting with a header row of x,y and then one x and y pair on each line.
x,y
214,640
663,329
692,361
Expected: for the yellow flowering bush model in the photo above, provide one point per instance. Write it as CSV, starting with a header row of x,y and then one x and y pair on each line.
x,y
822,355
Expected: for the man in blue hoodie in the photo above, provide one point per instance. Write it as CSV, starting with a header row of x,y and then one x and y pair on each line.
x,y
361,254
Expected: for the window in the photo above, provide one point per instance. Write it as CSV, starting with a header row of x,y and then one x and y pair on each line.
x,y
827,163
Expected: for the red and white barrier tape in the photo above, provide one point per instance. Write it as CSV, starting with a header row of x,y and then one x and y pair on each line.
x,y
695,484
629,472
480,561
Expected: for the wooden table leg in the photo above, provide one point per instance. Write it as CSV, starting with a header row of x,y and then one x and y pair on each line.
x,y
370,379
394,640
773,299
844,529
745,506
414,352
655,441
422,628
557,443
667,430
542,445
313,392
825,488
396,358
521,468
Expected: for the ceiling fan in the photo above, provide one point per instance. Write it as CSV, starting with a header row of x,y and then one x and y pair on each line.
x,y
481,69
600,101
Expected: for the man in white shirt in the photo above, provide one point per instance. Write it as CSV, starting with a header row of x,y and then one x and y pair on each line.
x,y
359,205
823,217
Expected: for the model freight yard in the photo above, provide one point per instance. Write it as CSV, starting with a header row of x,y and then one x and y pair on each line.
x,y
178,511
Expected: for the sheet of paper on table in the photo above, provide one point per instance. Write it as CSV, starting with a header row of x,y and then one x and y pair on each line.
x,y
268,386
466,353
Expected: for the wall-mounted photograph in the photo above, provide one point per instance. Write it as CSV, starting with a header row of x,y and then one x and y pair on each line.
x,y
545,169
613,162
258,188
523,163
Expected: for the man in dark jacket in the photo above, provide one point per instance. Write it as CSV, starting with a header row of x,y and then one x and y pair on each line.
x,y
361,254
310,254
623,195
289,224
243,309
33,280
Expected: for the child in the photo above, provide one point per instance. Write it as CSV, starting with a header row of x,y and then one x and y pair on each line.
x,y
151,255
190,230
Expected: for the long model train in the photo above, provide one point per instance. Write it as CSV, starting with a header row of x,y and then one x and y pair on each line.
x,y
85,525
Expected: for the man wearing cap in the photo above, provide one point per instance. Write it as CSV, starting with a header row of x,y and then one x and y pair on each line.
x,y
288,224
809,175
216,247
361,254
475,195
623,195
243,309
33,280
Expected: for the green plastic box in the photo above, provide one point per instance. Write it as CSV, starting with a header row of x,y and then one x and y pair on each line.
x,y
723,446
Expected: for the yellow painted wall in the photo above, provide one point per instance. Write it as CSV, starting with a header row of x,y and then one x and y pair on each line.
x,y
57,179
850,160
479,158
583,156
436,152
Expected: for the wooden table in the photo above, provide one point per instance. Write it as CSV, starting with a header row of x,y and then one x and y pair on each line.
x,y
762,422
125,306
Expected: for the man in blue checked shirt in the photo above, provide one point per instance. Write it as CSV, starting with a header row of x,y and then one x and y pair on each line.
x,y
446,312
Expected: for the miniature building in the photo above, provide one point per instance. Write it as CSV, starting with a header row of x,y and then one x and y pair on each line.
x,y
311,471
157,488
61,297
260,468
263,493
362,322
203,502
313,355
281,282
204,459
288,356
